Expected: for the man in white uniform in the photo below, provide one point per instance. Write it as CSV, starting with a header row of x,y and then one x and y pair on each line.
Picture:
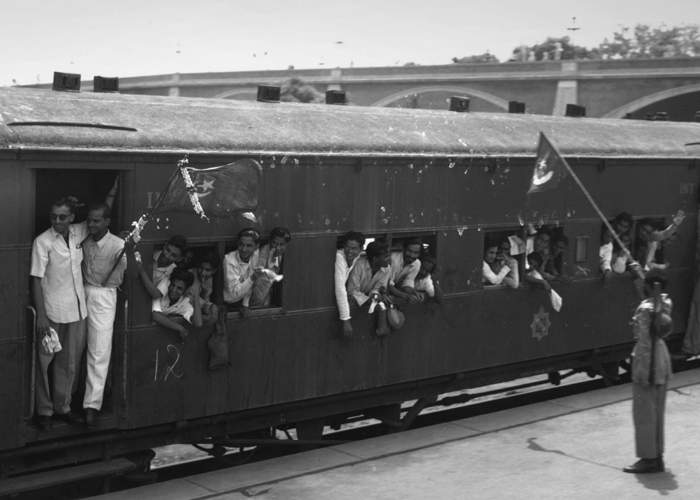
x,y
103,269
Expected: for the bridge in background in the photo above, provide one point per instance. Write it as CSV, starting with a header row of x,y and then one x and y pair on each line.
x,y
606,88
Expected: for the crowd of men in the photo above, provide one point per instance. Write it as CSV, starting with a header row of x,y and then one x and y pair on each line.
x,y
76,269
382,277
545,251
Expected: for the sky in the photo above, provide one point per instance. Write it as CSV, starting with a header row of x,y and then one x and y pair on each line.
x,y
148,37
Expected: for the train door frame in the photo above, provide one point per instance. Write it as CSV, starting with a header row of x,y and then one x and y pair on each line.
x,y
75,167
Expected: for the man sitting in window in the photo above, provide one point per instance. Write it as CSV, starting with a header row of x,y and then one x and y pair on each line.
x,y
493,271
345,259
368,281
270,261
404,269
427,287
504,259
202,287
164,263
240,271
174,305
649,251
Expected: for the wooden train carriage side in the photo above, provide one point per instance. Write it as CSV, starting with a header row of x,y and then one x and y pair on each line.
x,y
451,178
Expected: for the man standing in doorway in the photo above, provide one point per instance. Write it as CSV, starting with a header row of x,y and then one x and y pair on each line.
x,y
103,268
59,298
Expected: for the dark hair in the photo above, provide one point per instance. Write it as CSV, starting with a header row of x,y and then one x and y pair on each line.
x,y
178,241
101,206
536,258
249,232
412,241
67,201
492,241
280,232
561,237
211,257
376,249
624,216
353,236
543,231
183,275
426,257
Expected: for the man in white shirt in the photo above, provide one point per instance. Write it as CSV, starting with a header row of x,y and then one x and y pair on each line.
x,y
369,279
404,269
492,271
164,263
345,259
174,303
621,224
271,260
103,269
241,270
59,298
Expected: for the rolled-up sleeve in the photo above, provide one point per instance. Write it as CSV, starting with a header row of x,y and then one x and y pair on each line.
x,y
605,255
340,278
492,278
40,258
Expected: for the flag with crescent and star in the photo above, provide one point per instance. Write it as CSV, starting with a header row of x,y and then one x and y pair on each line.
x,y
550,167
221,191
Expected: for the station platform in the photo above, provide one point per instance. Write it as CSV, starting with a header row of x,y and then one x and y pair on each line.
x,y
572,447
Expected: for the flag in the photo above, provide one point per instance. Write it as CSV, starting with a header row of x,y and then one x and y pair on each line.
x,y
220,191
550,167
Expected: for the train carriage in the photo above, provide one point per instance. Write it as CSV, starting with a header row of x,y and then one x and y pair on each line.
x,y
450,178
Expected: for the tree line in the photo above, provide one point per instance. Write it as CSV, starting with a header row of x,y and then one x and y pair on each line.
x,y
639,42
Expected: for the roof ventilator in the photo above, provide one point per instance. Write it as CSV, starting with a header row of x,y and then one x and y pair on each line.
x,y
335,97
105,84
459,104
516,107
66,81
268,93
575,111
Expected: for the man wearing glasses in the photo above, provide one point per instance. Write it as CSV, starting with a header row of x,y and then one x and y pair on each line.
x,y
59,298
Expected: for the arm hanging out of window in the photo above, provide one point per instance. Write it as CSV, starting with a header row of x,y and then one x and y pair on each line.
x,y
237,286
668,232
512,279
340,280
491,278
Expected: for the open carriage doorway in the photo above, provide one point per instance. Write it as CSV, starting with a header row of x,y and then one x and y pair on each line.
x,y
88,186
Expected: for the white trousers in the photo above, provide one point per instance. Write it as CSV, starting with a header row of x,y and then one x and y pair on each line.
x,y
101,309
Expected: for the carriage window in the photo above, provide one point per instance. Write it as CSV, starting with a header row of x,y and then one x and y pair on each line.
x,y
503,258
413,264
204,263
649,243
253,270
552,245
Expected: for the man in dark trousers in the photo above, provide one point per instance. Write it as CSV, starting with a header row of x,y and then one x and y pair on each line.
x,y
651,370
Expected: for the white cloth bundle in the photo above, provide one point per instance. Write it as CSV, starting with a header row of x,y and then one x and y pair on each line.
x,y
50,343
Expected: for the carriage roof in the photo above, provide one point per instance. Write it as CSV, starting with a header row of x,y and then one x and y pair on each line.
x,y
33,119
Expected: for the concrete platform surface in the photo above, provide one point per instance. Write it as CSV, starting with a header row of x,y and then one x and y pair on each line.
x,y
567,448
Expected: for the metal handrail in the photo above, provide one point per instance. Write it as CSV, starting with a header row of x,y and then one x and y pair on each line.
x,y
32,376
